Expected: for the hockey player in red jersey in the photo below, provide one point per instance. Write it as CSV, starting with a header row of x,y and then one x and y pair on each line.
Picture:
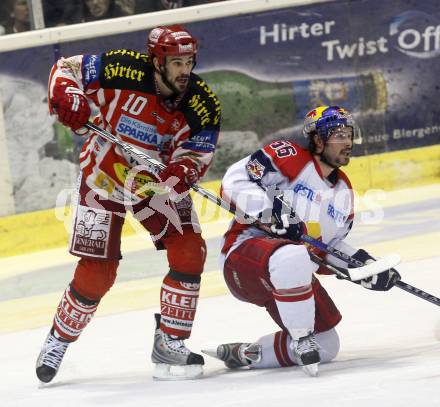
x,y
274,269
157,103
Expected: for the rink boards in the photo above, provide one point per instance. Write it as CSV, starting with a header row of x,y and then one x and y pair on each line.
x,y
388,171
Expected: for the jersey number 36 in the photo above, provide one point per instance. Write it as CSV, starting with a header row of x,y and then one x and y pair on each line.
x,y
283,148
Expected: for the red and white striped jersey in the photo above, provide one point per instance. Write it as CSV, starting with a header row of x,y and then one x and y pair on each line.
x,y
121,85
325,205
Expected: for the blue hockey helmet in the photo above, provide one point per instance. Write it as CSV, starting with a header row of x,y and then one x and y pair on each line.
x,y
323,119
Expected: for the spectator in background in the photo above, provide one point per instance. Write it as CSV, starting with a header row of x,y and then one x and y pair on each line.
x,y
199,2
18,20
102,9
62,12
4,15
146,6
127,6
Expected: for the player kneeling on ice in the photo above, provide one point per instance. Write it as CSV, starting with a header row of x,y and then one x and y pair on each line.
x,y
148,100
292,191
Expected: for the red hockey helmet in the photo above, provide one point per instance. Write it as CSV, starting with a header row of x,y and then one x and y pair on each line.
x,y
170,41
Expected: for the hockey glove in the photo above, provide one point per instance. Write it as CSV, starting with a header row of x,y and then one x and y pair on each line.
x,y
71,106
284,223
379,282
184,172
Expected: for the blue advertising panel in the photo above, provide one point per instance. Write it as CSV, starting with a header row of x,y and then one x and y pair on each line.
x,y
379,59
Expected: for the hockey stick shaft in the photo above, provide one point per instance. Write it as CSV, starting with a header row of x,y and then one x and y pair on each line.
x,y
155,167
417,292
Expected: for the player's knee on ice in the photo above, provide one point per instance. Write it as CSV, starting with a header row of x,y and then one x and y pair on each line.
x,y
329,345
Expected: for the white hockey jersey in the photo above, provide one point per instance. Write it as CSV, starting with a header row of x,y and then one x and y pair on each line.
x,y
325,205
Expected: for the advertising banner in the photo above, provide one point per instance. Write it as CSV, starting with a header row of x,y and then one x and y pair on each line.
x,y
377,59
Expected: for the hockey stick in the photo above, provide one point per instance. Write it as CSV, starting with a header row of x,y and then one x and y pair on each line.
x,y
360,271
400,284
392,260
417,292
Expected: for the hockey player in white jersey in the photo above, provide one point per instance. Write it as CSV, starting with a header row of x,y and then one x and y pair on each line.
x,y
274,270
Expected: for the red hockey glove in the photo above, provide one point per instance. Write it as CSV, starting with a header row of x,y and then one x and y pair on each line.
x,y
71,106
185,171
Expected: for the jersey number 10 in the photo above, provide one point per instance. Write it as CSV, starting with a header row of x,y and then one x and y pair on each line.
x,y
135,106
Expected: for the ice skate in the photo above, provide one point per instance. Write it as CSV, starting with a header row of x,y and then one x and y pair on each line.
x,y
50,358
306,353
173,360
236,355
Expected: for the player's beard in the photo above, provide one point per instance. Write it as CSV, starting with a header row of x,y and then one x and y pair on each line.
x,y
342,159
171,84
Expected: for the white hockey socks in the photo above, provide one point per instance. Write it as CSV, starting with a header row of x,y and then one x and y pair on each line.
x,y
277,350
291,274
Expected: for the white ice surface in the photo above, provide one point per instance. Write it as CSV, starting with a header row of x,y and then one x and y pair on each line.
x,y
390,356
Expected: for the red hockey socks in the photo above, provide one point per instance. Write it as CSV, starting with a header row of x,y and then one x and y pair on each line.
x,y
178,302
74,312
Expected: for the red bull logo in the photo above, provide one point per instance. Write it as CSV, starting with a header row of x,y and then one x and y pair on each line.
x,y
255,169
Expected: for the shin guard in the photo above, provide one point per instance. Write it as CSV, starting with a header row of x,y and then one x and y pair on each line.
x,y
74,312
178,301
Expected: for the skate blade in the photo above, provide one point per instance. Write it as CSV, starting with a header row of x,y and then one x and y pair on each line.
x,y
163,371
311,370
211,352
42,385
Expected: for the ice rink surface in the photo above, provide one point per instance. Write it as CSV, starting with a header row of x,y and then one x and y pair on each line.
x,y
390,342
